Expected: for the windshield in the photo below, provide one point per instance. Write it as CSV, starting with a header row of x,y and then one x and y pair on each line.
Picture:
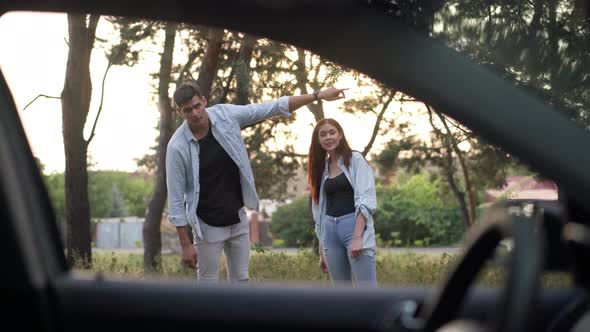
x,y
99,110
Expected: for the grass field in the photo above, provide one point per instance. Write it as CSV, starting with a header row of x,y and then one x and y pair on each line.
x,y
393,269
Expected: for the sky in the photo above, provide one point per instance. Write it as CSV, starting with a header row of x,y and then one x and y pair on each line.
x,y
33,61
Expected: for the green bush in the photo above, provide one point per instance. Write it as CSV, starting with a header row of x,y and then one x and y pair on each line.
x,y
111,193
278,243
415,212
293,223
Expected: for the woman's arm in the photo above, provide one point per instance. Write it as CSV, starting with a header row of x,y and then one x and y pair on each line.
x,y
365,196
365,200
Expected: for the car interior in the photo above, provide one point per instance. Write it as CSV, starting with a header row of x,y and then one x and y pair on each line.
x,y
42,293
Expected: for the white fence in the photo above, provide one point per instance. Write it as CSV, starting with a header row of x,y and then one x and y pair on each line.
x,y
125,233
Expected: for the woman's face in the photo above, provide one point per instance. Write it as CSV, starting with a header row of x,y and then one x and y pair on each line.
x,y
329,137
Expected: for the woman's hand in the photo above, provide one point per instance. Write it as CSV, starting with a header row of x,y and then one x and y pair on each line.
x,y
356,246
323,265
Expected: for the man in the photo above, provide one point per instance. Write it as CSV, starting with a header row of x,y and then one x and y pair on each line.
x,y
210,180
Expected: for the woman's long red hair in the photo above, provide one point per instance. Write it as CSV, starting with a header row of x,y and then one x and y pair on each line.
x,y
316,161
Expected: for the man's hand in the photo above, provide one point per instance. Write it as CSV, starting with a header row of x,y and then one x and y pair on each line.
x,y
332,94
190,256
328,94
189,253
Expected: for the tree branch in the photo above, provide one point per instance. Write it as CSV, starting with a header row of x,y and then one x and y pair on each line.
x,y
227,86
301,76
406,98
45,96
185,69
453,143
438,132
444,118
92,24
378,123
104,77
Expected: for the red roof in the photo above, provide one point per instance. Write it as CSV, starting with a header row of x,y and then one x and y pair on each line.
x,y
523,187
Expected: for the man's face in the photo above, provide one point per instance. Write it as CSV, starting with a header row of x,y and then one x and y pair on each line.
x,y
193,111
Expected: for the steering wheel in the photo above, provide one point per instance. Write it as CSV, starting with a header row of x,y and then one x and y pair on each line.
x,y
521,286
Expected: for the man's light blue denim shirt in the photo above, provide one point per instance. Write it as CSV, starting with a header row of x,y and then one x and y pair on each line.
x,y
360,176
182,159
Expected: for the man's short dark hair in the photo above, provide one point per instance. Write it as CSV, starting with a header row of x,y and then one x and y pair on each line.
x,y
185,92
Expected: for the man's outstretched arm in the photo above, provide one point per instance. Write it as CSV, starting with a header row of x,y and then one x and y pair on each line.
x,y
253,113
328,94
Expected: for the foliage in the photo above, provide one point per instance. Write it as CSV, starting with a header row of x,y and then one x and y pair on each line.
x,y
416,210
539,45
56,189
486,165
111,193
293,223
417,13
118,208
136,190
273,70
272,168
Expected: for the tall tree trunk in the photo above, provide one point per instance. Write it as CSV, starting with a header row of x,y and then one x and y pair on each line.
x,y
489,23
468,189
318,113
75,100
151,229
553,49
244,75
210,61
301,75
378,121
459,195
535,49
450,146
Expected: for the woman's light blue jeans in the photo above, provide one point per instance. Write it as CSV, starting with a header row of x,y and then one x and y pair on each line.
x,y
342,267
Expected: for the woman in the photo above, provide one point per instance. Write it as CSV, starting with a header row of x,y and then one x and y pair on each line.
x,y
343,201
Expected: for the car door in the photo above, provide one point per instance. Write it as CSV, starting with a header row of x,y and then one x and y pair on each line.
x,y
39,285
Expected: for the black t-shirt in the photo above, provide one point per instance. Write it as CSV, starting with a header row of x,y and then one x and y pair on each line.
x,y
340,196
220,196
